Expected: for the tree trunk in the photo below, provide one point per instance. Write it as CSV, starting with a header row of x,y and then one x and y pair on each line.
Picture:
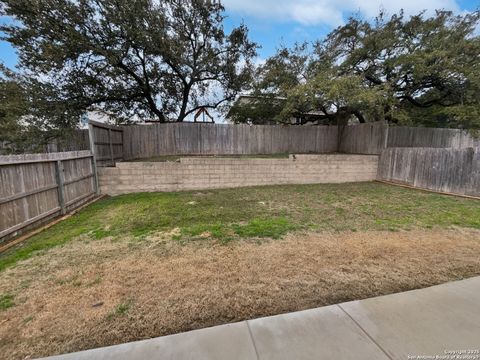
x,y
342,122
359,116
183,109
160,116
154,109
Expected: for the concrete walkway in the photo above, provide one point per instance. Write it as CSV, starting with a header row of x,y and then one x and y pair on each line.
x,y
411,325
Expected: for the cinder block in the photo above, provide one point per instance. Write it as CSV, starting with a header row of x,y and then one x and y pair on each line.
x,y
208,173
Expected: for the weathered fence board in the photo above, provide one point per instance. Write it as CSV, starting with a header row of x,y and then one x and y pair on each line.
x,y
402,136
114,143
36,187
446,170
144,141
368,138
372,138
106,143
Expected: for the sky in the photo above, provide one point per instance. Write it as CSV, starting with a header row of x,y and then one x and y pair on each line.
x,y
283,22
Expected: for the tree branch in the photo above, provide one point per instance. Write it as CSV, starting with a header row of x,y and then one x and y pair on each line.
x,y
210,106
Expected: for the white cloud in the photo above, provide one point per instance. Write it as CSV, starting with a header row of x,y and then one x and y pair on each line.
x,y
330,12
259,61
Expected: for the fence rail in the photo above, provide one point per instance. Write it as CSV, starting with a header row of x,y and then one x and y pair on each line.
x,y
37,187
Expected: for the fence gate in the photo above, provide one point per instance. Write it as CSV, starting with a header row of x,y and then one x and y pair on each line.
x,y
106,143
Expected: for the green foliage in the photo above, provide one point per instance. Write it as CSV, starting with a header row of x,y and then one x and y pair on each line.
x,y
274,80
282,72
12,108
270,211
148,58
6,301
257,110
273,228
31,114
120,310
415,70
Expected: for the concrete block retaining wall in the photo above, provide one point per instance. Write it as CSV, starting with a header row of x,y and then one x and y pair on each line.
x,y
214,173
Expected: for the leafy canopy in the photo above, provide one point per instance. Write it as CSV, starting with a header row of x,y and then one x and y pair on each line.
x,y
12,108
164,59
405,70
32,114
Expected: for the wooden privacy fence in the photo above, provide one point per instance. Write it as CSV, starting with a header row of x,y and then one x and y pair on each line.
x,y
106,143
145,141
403,136
37,187
370,138
113,143
446,170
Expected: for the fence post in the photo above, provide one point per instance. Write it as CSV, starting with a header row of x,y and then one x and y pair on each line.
x,y
111,146
387,130
95,176
59,173
123,143
91,135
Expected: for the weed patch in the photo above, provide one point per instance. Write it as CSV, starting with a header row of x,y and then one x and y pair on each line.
x,y
6,301
271,228
120,310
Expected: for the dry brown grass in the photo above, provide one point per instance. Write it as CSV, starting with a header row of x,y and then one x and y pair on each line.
x,y
94,293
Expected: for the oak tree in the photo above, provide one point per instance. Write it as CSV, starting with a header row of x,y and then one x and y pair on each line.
x,y
419,69
147,58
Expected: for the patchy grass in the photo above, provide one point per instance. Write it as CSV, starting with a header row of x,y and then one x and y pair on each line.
x,y
6,301
273,228
260,212
145,265
165,287
120,310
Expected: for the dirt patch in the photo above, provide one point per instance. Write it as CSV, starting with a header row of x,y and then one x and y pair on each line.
x,y
98,293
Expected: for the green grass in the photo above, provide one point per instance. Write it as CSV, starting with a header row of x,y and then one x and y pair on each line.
x,y
256,212
173,158
267,228
6,301
120,310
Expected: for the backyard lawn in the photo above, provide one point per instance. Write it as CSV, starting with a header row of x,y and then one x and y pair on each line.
x,y
146,265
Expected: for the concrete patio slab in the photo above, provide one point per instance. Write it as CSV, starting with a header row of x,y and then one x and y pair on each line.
x,y
425,322
231,341
325,333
